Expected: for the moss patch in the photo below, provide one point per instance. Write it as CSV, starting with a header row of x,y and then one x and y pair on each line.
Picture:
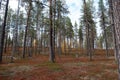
x,y
51,66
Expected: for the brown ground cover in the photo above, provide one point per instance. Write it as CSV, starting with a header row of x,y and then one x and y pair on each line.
x,y
65,68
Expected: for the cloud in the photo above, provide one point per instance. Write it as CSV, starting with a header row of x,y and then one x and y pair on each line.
x,y
74,8
13,4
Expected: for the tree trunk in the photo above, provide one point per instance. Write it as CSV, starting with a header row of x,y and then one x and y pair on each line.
x,y
15,35
105,35
0,3
30,48
26,28
113,29
6,39
59,42
54,26
87,32
104,28
52,55
116,13
3,32
64,46
67,43
70,45
59,32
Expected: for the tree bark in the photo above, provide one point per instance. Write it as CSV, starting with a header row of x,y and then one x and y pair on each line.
x,y
116,13
52,55
3,32
113,29
6,40
54,26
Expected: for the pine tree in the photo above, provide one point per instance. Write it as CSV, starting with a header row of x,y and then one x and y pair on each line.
x,y
27,25
103,23
89,26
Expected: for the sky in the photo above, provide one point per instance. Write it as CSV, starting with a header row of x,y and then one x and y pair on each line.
x,y
74,8
13,4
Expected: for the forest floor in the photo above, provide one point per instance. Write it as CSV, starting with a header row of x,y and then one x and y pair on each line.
x,y
65,68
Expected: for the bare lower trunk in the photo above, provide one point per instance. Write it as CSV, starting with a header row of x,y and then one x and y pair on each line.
x,y
64,46
59,43
106,42
5,48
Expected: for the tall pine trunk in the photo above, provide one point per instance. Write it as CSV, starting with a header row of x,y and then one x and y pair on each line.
x,y
59,32
54,26
113,29
6,41
3,32
15,35
52,55
105,34
59,42
26,28
116,13
87,32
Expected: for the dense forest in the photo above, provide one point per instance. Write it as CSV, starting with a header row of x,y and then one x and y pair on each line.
x,y
40,29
